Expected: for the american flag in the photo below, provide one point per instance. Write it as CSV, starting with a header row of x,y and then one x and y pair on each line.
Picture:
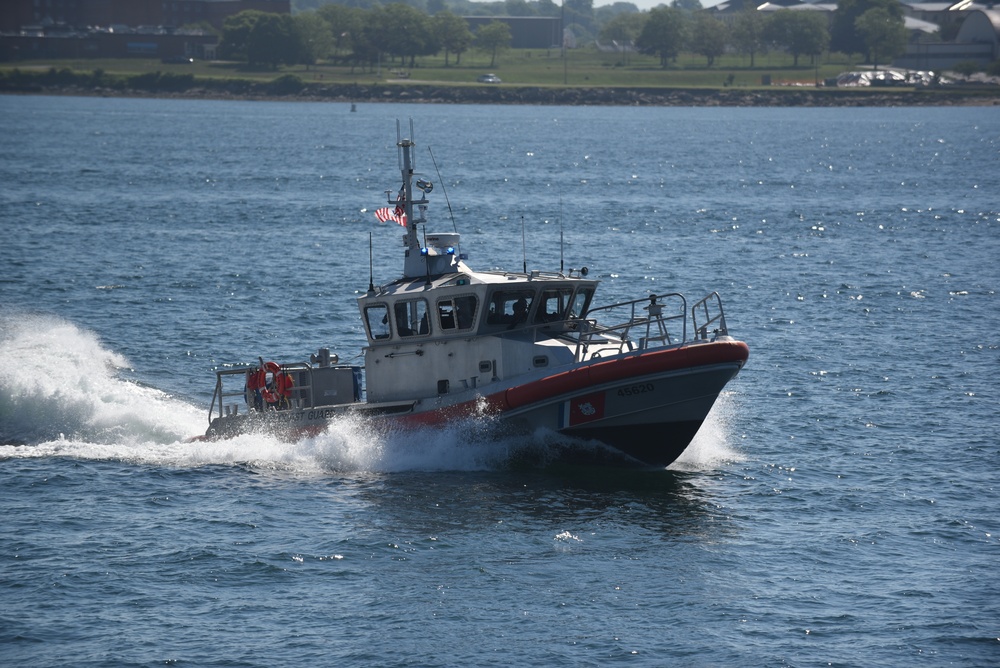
x,y
397,215
385,214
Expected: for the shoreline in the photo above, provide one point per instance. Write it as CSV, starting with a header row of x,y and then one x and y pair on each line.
x,y
537,95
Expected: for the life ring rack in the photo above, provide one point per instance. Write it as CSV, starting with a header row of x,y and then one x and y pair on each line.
x,y
274,393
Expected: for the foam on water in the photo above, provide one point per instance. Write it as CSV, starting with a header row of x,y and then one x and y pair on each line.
x,y
354,444
61,384
711,447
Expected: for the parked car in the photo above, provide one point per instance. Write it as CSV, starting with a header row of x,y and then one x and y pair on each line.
x,y
488,78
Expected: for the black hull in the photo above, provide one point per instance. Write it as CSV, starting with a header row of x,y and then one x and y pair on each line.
x,y
651,445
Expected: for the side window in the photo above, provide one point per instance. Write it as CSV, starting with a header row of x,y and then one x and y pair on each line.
x,y
446,314
377,317
411,318
581,302
509,307
457,312
553,304
466,308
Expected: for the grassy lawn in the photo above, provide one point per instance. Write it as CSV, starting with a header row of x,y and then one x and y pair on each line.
x,y
520,67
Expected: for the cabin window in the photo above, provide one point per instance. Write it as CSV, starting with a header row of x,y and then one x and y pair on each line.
x,y
411,317
457,312
581,303
377,317
553,304
510,307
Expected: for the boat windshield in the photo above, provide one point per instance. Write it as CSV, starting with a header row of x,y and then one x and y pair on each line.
x,y
553,304
581,303
509,308
377,317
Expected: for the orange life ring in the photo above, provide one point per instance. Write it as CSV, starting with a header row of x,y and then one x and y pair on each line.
x,y
276,394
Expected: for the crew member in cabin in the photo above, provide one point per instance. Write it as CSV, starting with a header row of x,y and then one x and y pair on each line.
x,y
520,313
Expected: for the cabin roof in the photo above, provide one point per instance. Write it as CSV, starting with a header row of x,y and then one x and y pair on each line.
x,y
416,286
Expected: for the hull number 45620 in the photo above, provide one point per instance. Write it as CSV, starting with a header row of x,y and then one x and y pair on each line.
x,y
633,390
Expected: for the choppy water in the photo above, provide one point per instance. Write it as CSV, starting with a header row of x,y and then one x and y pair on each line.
x,y
840,507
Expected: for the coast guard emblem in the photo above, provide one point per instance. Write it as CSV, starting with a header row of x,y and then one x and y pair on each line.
x,y
583,409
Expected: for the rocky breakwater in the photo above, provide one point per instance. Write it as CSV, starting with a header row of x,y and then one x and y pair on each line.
x,y
676,97
291,87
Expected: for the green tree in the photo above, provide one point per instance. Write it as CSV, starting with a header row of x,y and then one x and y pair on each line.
x,y
844,35
605,13
272,41
802,33
581,12
883,34
346,25
709,36
747,34
493,38
664,33
547,8
452,33
622,31
235,32
405,32
519,8
314,35
623,28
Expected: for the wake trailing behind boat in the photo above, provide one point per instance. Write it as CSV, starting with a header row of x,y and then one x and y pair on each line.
x,y
528,349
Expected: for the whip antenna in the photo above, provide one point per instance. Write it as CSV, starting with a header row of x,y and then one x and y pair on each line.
x,y
561,254
371,271
445,191
560,245
524,249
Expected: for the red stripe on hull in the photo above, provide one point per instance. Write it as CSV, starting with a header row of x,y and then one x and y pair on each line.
x,y
581,378
641,364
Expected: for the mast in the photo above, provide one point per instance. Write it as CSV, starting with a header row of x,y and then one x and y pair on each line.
x,y
439,252
415,263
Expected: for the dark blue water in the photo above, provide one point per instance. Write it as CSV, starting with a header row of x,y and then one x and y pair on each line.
x,y
840,507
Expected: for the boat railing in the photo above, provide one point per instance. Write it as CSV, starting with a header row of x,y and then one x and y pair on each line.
x,y
706,313
301,392
656,320
221,393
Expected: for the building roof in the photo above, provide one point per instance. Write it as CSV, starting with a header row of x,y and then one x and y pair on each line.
x,y
980,26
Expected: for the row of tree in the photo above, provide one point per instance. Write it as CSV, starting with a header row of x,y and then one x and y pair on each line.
x,y
362,36
874,28
581,15
355,36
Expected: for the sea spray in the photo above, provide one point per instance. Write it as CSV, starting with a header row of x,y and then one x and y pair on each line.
x,y
711,446
61,383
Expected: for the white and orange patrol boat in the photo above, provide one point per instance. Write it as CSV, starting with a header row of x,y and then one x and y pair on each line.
x,y
530,350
